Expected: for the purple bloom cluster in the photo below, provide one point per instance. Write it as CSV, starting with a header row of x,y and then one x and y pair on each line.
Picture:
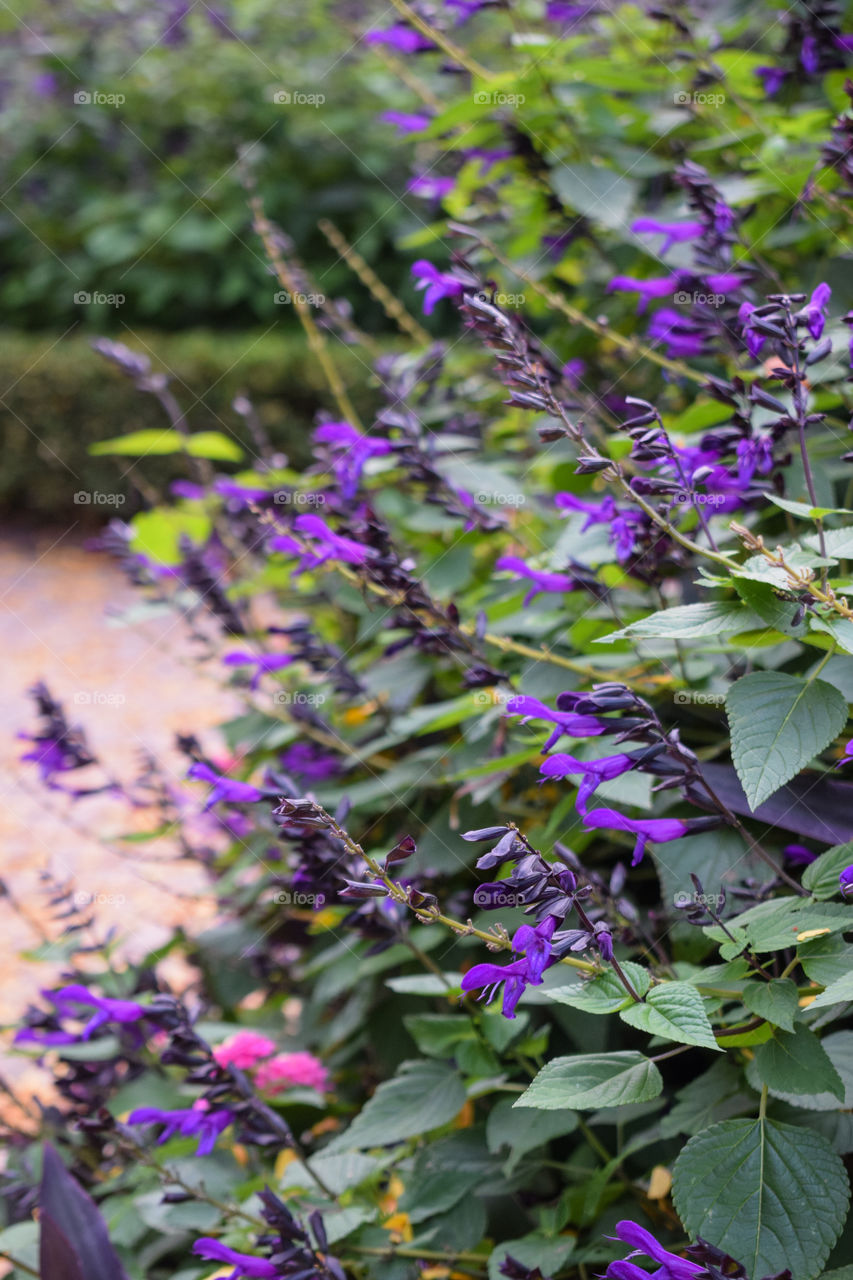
x,y
200,1121
74,1001
535,943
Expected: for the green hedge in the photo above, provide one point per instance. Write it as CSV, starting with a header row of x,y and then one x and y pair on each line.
x,y
57,397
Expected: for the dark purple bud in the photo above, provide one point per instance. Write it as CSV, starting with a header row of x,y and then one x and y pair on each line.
x,y
401,851
358,889
484,833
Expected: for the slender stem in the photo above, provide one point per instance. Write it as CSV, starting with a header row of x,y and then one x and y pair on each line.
x,y
444,42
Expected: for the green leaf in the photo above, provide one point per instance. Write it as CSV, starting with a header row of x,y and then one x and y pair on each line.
x,y
837,992
674,1010
604,994
821,876
826,959
804,509
422,1096
435,1034
779,923
201,444
838,1047
589,1081
795,1062
777,1001
521,1132
597,192
548,1253
778,724
690,621
772,1195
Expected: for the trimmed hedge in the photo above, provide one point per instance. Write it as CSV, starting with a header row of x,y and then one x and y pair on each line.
x,y
57,397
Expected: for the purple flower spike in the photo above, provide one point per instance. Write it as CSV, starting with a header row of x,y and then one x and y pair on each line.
x,y
203,1123
228,790
816,310
244,1264
542,580
594,772
400,37
847,758
406,122
351,450
262,662
431,188
656,287
772,79
657,829
536,944
845,881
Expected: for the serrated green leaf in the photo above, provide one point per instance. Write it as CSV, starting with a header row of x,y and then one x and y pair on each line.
x,y
826,959
604,994
795,1062
589,1081
674,1010
778,1001
422,1096
779,923
838,1047
821,876
778,724
772,1195
522,1132
690,621
837,992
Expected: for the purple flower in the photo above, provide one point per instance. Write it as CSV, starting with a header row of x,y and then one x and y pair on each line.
x,y
670,1266
845,881
755,454
645,829
400,37
810,55
262,662
623,524
65,1001
330,545
244,1264
240,494
536,944
656,287
772,78
799,855
351,450
431,188
816,310
673,232
568,14
488,157
438,284
570,722
205,1123
225,789
594,772
542,580
573,371
405,121
44,84
309,761
682,338
754,339
847,758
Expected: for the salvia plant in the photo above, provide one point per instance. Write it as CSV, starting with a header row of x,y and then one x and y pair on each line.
x,y
533,844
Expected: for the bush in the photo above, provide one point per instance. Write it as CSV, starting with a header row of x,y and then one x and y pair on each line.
x,y
62,399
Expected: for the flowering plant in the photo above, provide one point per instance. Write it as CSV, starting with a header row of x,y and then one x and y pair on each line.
x,y
534,850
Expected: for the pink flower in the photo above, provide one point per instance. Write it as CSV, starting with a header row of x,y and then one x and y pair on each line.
x,y
243,1050
287,1069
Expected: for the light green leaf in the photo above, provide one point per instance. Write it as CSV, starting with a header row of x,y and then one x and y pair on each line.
x,y
422,1096
674,1010
821,876
601,194
838,1047
777,1001
523,1132
589,1081
201,444
772,1195
837,992
804,509
778,724
690,621
604,994
779,923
